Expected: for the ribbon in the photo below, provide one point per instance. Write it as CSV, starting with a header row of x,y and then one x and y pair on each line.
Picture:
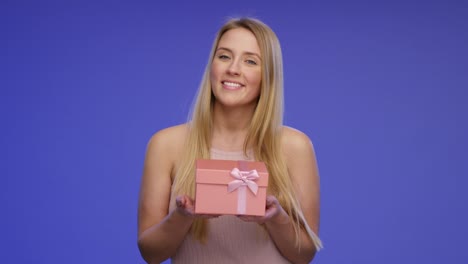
x,y
243,180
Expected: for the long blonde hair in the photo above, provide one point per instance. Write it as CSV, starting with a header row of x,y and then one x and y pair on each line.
x,y
263,135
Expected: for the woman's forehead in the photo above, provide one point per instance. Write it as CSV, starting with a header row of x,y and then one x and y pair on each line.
x,y
239,40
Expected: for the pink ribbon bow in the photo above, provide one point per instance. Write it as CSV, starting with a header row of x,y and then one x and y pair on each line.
x,y
244,178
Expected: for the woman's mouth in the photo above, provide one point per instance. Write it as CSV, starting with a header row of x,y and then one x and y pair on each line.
x,y
231,85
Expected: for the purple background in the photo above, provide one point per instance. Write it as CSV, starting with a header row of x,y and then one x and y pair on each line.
x,y
379,86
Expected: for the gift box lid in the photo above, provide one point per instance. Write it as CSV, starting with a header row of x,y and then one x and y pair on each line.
x,y
211,171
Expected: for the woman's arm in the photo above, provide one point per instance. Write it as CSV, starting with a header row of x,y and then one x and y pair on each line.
x,y
160,232
302,166
303,171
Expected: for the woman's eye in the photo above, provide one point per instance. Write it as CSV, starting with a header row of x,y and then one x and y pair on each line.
x,y
252,62
223,57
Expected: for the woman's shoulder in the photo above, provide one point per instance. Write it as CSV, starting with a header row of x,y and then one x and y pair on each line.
x,y
173,132
294,141
170,139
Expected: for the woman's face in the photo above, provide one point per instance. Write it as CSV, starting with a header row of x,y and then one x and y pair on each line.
x,y
236,70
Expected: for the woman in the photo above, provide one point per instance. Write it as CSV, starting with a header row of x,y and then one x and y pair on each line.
x,y
237,115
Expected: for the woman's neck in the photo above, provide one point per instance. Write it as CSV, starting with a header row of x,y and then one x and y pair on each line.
x,y
230,127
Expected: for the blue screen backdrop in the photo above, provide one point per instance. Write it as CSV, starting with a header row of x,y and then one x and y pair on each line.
x,y
379,86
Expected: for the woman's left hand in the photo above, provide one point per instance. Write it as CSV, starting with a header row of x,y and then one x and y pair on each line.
x,y
274,212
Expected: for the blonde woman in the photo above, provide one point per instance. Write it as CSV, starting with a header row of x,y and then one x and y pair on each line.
x,y
237,115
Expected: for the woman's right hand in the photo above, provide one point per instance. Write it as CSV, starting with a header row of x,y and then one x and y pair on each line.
x,y
186,206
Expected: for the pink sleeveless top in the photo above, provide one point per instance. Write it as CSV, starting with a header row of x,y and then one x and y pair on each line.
x,y
229,240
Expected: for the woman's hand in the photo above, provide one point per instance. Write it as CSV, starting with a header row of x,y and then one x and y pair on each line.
x,y
186,207
273,212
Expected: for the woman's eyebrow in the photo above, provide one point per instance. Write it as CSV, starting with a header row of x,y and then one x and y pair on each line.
x,y
246,52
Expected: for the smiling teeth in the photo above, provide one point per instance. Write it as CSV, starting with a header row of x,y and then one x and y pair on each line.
x,y
232,84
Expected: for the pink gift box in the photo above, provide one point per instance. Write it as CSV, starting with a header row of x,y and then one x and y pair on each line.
x,y
230,187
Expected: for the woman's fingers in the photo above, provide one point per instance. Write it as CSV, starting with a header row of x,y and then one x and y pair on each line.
x,y
207,216
186,206
270,200
272,211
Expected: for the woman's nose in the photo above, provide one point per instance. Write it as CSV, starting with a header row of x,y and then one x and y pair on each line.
x,y
234,68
